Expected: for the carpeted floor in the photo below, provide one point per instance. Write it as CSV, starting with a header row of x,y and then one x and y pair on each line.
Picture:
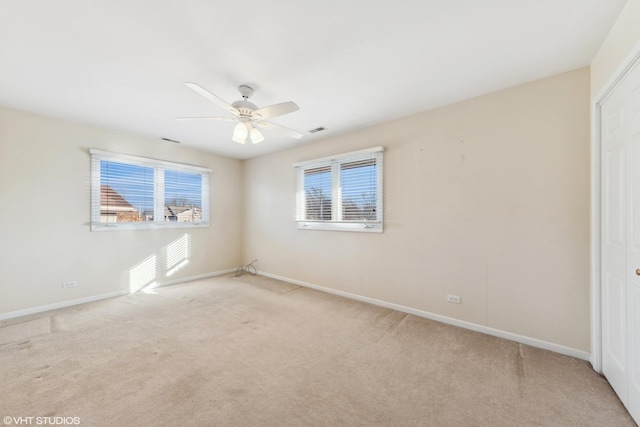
x,y
253,351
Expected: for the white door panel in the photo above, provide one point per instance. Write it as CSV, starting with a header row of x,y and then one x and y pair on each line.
x,y
634,363
614,213
620,240
613,244
635,110
614,333
634,203
633,249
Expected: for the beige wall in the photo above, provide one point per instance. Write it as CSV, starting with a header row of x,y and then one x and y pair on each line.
x,y
45,212
487,199
621,40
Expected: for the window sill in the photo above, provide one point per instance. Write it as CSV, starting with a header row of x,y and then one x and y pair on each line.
x,y
146,226
359,227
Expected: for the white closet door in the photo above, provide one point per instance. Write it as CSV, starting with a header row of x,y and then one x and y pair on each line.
x,y
633,246
614,125
620,243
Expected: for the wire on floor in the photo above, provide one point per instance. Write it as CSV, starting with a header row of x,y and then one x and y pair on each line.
x,y
249,268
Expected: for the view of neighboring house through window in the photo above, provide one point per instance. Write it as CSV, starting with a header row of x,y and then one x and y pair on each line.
x,y
134,192
126,192
182,196
342,192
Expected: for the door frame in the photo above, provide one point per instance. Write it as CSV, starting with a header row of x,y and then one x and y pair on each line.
x,y
620,73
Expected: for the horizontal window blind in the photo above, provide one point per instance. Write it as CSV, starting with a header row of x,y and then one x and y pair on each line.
x,y
182,196
341,192
126,192
359,186
317,188
136,192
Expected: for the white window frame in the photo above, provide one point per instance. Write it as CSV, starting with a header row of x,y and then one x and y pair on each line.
x,y
336,223
159,168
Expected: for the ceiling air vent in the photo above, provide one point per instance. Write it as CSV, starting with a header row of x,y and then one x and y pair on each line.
x,y
170,140
320,129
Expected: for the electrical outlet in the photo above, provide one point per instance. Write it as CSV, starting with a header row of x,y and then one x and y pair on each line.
x,y
454,299
70,284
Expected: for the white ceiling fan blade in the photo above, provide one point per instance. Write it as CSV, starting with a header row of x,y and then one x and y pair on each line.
x,y
211,97
278,128
220,119
276,110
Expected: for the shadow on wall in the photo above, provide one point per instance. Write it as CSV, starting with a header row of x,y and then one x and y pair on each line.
x,y
148,273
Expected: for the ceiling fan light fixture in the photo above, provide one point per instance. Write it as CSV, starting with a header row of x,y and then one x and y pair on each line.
x,y
247,114
256,136
240,133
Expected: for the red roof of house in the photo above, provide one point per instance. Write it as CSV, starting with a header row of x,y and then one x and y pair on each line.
x,y
112,199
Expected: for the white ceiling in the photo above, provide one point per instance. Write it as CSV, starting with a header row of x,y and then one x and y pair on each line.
x,y
348,64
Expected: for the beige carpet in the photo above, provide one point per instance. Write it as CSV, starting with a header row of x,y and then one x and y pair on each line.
x,y
253,351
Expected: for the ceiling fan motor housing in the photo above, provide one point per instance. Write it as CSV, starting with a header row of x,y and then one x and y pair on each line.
x,y
245,108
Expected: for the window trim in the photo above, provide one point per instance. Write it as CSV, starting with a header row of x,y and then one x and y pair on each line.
x,y
159,167
334,162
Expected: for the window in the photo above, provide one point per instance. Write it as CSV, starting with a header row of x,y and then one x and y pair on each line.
x,y
341,192
129,192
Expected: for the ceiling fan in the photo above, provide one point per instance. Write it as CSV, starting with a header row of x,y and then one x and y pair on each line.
x,y
247,114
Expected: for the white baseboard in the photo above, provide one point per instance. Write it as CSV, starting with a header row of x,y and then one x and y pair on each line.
x,y
61,304
533,342
69,303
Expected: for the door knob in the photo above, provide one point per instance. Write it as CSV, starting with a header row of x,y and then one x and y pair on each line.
x,y
638,272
